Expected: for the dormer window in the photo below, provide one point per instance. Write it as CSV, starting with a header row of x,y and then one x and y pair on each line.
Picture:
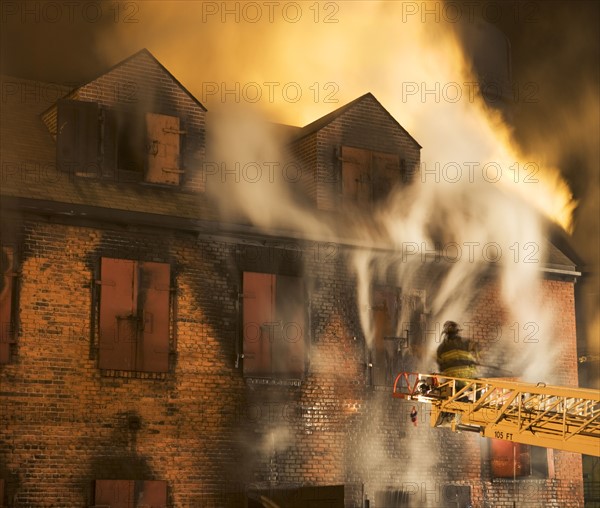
x,y
123,145
367,176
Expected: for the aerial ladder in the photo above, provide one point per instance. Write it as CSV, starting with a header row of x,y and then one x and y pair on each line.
x,y
535,414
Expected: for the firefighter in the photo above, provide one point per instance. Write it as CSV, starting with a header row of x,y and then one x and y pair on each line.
x,y
456,356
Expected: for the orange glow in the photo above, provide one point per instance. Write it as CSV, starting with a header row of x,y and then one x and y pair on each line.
x,y
298,66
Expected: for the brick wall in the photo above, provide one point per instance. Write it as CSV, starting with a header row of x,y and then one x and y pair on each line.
x,y
205,430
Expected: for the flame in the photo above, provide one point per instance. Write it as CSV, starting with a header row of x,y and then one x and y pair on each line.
x,y
327,54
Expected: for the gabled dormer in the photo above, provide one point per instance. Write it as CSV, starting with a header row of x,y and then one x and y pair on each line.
x,y
134,123
355,155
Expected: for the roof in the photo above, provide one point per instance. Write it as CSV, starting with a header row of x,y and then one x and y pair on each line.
x,y
145,52
28,158
30,180
330,117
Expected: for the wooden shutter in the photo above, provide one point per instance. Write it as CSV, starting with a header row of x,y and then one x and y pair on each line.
x,y
153,308
258,322
289,343
413,315
77,136
386,173
163,147
108,150
509,459
118,314
1,492
114,493
384,313
6,296
356,176
150,494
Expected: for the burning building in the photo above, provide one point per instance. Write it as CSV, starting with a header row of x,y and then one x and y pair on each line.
x,y
205,311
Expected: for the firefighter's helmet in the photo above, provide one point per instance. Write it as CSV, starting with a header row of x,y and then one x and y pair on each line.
x,y
451,328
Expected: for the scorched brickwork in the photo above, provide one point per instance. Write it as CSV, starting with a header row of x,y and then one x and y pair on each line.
x,y
203,429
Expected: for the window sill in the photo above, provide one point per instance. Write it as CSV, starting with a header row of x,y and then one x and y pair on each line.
x,y
254,381
131,374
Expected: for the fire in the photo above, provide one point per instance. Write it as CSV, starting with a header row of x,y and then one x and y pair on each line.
x,y
299,61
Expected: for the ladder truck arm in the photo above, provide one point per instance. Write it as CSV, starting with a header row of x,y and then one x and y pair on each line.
x,y
558,417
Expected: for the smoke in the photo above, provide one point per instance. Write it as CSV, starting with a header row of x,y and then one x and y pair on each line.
x,y
554,112
248,173
472,191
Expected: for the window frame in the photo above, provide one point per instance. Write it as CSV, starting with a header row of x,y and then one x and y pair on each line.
x,y
379,171
147,355
89,136
266,369
381,354
529,455
8,303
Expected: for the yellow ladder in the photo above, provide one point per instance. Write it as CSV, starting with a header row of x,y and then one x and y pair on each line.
x,y
537,414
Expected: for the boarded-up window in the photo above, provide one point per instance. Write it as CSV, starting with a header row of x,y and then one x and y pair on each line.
x,y
130,494
134,315
7,274
367,176
509,459
77,137
274,325
163,147
384,354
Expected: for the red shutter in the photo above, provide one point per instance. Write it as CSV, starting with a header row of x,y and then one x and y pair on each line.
x,y
77,136
150,494
114,493
289,344
6,295
356,176
509,459
258,320
118,314
153,347
163,149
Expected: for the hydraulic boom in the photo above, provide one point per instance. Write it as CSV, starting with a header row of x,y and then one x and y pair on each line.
x,y
542,415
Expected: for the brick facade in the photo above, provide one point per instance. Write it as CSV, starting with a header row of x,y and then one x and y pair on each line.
x,y
215,436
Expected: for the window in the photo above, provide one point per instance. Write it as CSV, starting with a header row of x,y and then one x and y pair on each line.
x,y
134,315
7,274
385,308
130,494
93,141
392,498
516,460
367,176
274,325
329,496
78,137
